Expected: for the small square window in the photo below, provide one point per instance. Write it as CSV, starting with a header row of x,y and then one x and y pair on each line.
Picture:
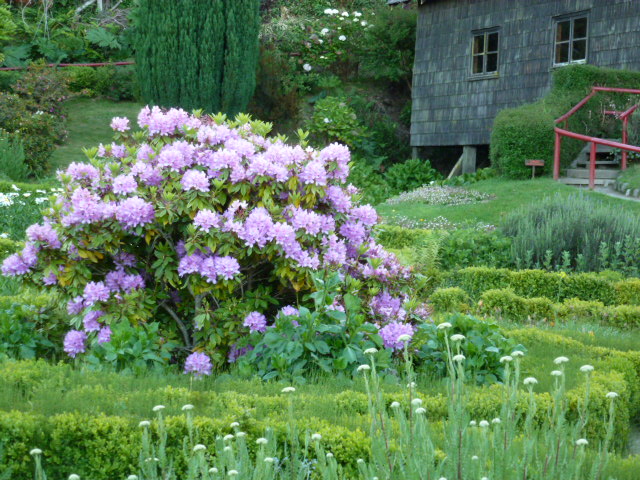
x,y
484,52
571,40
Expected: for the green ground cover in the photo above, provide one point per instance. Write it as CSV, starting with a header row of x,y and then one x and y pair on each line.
x,y
509,196
631,176
88,125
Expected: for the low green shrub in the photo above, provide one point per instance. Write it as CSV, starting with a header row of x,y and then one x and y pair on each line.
x,y
575,232
527,132
507,304
557,286
102,447
467,247
452,299
482,343
12,159
409,175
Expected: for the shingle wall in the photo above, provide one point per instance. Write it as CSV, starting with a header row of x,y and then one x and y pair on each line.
x,y
450,108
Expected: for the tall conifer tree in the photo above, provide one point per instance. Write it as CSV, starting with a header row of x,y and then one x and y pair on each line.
x,y
197,53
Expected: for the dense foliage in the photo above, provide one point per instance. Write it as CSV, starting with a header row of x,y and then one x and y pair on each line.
x,y
526,132
201,224
218,53
575,232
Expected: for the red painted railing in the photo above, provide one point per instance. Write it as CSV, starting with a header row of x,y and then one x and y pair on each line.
x,y
114,64
595,141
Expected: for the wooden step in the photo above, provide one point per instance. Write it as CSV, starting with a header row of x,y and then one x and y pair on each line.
x,y
585,181
599,163
603,173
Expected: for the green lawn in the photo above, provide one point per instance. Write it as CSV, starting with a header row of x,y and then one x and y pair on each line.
x,y
509,195
88,125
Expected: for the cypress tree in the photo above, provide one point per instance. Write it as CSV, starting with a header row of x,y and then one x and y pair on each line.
x,y
197,53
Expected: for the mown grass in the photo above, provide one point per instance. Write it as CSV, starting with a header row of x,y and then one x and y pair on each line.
x,y
509,195
88,125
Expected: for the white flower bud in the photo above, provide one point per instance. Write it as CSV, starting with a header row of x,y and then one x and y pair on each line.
x,y
199,447
530,381
416,402
458,358
144,424
187,407
586,368
444,325
484,423
157,408
364,368
262,441
35,451
288,390
556,373
560,360
581,442
421,410
371,351
457,337
506,359
316,437
612,395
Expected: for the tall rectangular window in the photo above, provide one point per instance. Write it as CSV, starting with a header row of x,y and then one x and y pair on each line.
x,y
571,40
484,52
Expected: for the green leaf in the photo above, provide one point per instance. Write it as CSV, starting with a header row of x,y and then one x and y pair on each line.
x,y
101,37
16,56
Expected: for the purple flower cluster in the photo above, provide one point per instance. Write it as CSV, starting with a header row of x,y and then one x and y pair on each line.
x,y
74,343
90,321
199,364
195,180
213,268
134,212
95,292
388,307
392,332
44,234
256,322
205,220
124,184
120,124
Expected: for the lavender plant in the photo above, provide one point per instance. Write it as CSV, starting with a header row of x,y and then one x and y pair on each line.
x,y
197,222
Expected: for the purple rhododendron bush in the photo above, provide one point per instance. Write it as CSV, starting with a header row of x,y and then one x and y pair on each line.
x,y
211,229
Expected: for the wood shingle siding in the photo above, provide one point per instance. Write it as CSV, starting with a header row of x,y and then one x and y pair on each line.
x,y
450,107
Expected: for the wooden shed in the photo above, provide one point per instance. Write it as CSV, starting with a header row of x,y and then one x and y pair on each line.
x,y
476,57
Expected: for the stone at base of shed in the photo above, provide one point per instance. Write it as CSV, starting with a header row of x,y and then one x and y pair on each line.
x,y
469,157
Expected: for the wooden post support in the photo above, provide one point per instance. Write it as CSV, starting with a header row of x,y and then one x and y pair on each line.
x,y
625,140
534,164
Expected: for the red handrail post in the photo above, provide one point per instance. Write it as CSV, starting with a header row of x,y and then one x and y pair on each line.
x,y
592,166
625,138
556,157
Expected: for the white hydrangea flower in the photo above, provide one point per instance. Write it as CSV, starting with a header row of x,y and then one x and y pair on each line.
x,y
342,38
364,23
234,424
306,67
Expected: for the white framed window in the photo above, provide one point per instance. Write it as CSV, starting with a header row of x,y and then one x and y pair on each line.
x,y
571,39
484,52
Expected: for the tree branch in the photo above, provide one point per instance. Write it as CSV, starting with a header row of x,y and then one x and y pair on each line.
x,y
183,329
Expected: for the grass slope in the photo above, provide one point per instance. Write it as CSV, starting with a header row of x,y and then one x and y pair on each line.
x,y
88,125
509,195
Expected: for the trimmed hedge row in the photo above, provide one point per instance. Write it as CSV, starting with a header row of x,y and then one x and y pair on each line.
x,y
504,302
607,287
102,447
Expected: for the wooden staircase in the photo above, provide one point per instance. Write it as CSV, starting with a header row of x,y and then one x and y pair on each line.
x,y
607,167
